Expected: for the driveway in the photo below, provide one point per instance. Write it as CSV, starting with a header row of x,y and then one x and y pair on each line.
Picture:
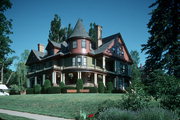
x,y
30,115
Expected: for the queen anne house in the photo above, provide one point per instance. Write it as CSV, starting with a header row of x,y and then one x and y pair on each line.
x,y
108,61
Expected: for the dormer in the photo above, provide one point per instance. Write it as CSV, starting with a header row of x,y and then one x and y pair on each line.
x,y
79,40
52,47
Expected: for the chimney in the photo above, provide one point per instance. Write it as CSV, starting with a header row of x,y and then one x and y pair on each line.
x,y
99,35
40,48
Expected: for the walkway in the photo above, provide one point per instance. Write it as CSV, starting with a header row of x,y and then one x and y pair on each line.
x,y
30,115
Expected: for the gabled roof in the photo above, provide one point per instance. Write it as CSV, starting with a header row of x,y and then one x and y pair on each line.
x,y
34,56
106,43
79,31
57,45
103,47
109,38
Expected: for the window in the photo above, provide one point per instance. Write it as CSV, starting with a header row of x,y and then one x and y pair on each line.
x,y
84,61
74,44
79,61
74,61
83,43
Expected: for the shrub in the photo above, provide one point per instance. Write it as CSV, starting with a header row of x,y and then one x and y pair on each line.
x,y
134,102
92,89
37,89
109,87
30,91
156,114
15,89
53,90
65,88
61,85
116,114
47,84
79,85
100,87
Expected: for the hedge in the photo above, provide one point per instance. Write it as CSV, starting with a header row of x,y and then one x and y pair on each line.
x,y
64,89
30,91
92,89
54,90
37,89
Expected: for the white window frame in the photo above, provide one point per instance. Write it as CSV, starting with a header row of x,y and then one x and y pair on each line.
x,y
84,61
74,61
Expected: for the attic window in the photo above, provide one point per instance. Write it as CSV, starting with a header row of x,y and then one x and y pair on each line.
x,y
74,45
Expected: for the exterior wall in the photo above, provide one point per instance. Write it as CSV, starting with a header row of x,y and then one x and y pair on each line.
x,y
90,61
55,50
79,49
68,62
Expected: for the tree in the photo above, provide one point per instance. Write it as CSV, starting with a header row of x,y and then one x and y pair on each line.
x,y
5,41
21,69
136,73
93,34
162,47
57,33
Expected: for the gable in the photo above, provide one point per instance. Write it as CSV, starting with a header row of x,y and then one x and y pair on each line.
x,y
32,58
117,48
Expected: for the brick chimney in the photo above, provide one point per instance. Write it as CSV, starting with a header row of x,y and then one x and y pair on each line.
x,y
99,35
40,48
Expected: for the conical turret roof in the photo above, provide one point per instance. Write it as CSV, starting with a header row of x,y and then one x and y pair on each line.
x,y
79,31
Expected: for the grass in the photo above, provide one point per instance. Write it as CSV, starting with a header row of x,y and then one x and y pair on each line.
x,y
60,105
11,117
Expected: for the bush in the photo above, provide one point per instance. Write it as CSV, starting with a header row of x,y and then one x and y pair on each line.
x,y
92,89
156,114
109,87
61,85
37,89
15,89
79,85
118,91
47,84
30,91
134,102
53,90
101,87
116,114
64,89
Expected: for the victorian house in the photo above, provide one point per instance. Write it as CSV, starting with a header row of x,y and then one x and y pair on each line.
x,y
75,58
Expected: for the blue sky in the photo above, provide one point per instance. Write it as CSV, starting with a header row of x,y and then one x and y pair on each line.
x,y
31,20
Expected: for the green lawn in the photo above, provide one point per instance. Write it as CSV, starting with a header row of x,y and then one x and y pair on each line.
x,y
10,117
60,105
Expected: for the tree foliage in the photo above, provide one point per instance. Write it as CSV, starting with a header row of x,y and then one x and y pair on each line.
x,y
93,34
5,41
162,47
79,84
57,33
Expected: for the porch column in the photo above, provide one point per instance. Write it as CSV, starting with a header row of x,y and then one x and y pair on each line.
x,y
95,63
54,78
104,64
35,80
28,83
79,75
115,69
104,80
44,77
95,79
63,78
123,84
115,80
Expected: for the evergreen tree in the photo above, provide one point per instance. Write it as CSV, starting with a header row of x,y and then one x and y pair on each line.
x,y
93,34
56,33
162,47
5,41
